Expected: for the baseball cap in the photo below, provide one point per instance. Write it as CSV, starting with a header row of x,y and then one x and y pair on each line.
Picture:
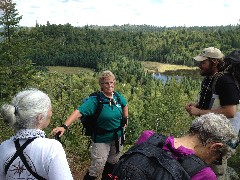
x,y
210,52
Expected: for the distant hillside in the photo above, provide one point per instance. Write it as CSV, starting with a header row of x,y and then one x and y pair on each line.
x,y
94,46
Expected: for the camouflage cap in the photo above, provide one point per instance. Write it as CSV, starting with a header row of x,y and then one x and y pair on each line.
x,y
210,52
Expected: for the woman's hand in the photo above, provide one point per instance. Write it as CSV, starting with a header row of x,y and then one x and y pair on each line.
x,y
56,130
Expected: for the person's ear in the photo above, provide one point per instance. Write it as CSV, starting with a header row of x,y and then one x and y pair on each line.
x,y
39,117
216,146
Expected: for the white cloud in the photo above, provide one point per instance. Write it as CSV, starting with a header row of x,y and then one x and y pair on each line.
x,y
119,12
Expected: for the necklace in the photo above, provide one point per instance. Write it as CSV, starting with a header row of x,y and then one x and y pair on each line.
x,y
111,99
205,94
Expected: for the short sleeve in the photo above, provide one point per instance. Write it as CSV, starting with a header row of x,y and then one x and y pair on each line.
x,y
89,107
123,101
227,91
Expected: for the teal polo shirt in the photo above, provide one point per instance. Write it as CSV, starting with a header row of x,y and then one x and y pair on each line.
x,y
110,116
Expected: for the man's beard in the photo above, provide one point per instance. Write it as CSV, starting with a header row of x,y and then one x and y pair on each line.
x,y
207,72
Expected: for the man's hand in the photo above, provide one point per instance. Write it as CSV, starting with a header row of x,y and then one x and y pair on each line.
x,y
189,106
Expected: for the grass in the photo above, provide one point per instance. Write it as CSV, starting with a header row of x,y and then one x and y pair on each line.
x,y
156,67
68,70
151,67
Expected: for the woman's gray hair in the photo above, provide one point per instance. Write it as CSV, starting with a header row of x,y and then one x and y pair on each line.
x,y
215,128
25,109
106,74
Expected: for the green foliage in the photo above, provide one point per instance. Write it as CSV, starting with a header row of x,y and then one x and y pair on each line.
x,y
125,70
16,71
234,160
10,19
152,105
6,132
149,105
89,46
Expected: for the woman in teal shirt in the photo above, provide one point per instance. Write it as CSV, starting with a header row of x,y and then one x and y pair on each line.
x,y
106,145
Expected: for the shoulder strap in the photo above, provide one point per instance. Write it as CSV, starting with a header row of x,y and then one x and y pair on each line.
x,y
236,82
192,164
19,153
157,140
152,148
24,160
19,150
220,74
99,106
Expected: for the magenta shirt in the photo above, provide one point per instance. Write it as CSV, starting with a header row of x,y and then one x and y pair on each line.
x,y
204,174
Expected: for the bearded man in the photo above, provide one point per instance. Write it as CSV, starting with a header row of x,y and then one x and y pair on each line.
x,y
219,94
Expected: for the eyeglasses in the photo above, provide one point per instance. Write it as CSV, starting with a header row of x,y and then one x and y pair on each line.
x,y
108,83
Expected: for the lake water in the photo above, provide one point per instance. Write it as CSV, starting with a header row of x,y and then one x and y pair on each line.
x,y
164,77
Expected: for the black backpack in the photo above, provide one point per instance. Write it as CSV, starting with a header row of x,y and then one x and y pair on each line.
x,y
89,123
232,65
148,161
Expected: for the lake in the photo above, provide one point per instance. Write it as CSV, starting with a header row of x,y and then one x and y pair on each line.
x,y
164,77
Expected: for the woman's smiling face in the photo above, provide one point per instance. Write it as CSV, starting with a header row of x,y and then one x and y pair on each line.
x,y
107,85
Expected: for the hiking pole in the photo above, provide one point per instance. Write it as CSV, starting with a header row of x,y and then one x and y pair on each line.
x,y
57,136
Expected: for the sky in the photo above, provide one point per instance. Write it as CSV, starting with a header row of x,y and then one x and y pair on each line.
x,y
161,13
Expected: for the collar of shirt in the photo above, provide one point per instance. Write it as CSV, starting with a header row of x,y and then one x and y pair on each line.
x,y
29,134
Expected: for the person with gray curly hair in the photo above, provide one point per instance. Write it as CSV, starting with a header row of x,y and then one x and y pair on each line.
x,y
211,137
28,154
215,129
219,93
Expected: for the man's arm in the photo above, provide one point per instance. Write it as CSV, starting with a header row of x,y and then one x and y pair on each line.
x,y
229,111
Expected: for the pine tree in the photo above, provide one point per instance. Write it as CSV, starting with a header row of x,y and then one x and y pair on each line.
x,y
10,18
16,71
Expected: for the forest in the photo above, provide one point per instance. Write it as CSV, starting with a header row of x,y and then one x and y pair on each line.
x,y
26,51
88,46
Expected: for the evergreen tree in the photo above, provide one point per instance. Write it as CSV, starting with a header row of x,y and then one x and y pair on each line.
x,y
9,19
15,70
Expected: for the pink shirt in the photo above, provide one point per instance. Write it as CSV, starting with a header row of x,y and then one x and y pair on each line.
x,y
204,174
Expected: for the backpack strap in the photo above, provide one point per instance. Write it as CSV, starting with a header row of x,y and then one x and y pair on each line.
x,y
24,160
100,103
97,113
100,131
152,148
19,153
236,82
19,150
99,106
157,140
192,164
118,97
218,75
122,124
